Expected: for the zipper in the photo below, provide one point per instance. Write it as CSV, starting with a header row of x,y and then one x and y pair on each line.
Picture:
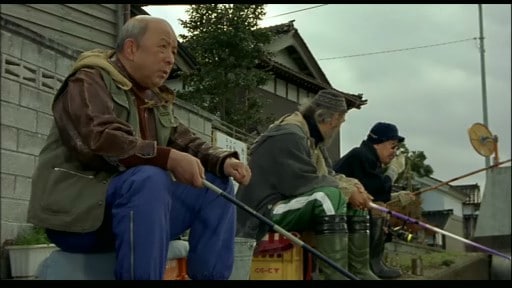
x,y
73,172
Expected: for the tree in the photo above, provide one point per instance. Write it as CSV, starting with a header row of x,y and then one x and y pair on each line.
x,y
415,166
227,45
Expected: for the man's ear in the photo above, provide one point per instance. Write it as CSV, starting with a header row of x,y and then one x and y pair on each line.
x,y
130,48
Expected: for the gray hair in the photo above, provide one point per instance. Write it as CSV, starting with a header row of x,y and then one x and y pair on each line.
x,y
132,29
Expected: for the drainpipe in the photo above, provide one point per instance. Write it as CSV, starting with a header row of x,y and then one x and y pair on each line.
x,y
123,15
120,17
127,12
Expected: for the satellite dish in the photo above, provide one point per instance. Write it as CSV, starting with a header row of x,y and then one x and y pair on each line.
x,y
482,140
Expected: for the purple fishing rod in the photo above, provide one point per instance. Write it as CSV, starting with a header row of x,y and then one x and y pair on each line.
x,y
425,225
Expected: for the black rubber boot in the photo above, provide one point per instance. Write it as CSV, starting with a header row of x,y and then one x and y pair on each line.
x,y
377,241
332,241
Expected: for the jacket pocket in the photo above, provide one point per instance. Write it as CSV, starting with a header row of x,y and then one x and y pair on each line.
x,y
74,172
164,123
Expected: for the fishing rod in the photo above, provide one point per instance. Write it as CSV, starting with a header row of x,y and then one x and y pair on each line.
x,y
435,229
280,230
454,179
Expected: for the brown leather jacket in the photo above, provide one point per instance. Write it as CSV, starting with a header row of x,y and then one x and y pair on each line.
x,y
104,123
85,118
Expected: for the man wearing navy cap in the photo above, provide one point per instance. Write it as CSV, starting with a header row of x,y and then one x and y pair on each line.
x,y
375,164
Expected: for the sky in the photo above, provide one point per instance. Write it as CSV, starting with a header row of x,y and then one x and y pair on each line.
x,y
432,94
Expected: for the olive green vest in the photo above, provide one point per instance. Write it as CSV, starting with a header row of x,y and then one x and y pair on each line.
x,y
67,197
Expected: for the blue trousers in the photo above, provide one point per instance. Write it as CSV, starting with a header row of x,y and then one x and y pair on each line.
x,y
146,209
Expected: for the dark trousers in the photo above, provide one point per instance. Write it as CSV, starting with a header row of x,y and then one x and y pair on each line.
x,y
146,209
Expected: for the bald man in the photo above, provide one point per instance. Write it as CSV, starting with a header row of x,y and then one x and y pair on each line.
x,y
120,172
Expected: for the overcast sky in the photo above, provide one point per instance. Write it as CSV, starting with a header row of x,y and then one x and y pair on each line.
x,y
432,94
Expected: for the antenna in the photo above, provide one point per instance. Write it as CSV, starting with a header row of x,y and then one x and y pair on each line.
x,y
483,141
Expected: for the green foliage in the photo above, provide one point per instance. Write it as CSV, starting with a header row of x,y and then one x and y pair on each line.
x,y
33,236
227,45
415,166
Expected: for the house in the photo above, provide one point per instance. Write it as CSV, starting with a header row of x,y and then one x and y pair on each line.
x,y
470,208
442,208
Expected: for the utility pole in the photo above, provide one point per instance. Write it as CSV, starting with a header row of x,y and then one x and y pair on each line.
x,y
482,70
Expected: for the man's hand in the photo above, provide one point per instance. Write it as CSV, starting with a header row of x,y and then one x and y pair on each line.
x,y
240,172
396,166
186,168
360,199
405,197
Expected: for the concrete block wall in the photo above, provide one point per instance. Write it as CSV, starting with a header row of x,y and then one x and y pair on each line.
x,y
30,74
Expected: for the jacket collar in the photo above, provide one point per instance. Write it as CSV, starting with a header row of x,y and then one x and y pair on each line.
x,y
371,152
314,131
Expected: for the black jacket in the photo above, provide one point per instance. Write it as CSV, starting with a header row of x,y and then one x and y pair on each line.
x,y
363,164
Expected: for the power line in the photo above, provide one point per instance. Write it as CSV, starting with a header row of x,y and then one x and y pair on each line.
x,y
398,50
295,11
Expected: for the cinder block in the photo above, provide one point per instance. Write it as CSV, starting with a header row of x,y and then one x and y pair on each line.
x,y
11,44
47,59
14,210
196,123
9,138
44,123
63,66
19,117
10,230
37,55
8,185
23,188
30,143
36,99
17,163
10,91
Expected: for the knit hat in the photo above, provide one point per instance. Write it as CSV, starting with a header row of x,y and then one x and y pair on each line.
x,y
330,99
382,132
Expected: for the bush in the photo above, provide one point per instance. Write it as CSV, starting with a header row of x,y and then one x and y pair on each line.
x,y
33,236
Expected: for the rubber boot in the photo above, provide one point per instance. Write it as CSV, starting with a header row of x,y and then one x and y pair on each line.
x,y
332,241
377,241
359,247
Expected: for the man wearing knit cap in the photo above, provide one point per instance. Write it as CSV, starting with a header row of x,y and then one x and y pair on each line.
x,y
292,185
375,164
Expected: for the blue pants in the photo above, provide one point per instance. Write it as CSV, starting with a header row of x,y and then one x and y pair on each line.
x,y
145,210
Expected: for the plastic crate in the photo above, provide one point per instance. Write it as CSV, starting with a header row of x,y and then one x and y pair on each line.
x,y
176,269
277,258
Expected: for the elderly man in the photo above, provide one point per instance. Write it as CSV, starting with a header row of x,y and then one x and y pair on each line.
x,y
119,171
293,186
375,165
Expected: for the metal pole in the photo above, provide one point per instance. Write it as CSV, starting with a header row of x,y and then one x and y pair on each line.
x,y
482,69
280,230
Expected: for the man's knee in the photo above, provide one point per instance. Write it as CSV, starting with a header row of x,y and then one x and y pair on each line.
x,y
140,180
149,172
336,198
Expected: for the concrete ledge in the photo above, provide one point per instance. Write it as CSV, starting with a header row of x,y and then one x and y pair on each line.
x,y
474,268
